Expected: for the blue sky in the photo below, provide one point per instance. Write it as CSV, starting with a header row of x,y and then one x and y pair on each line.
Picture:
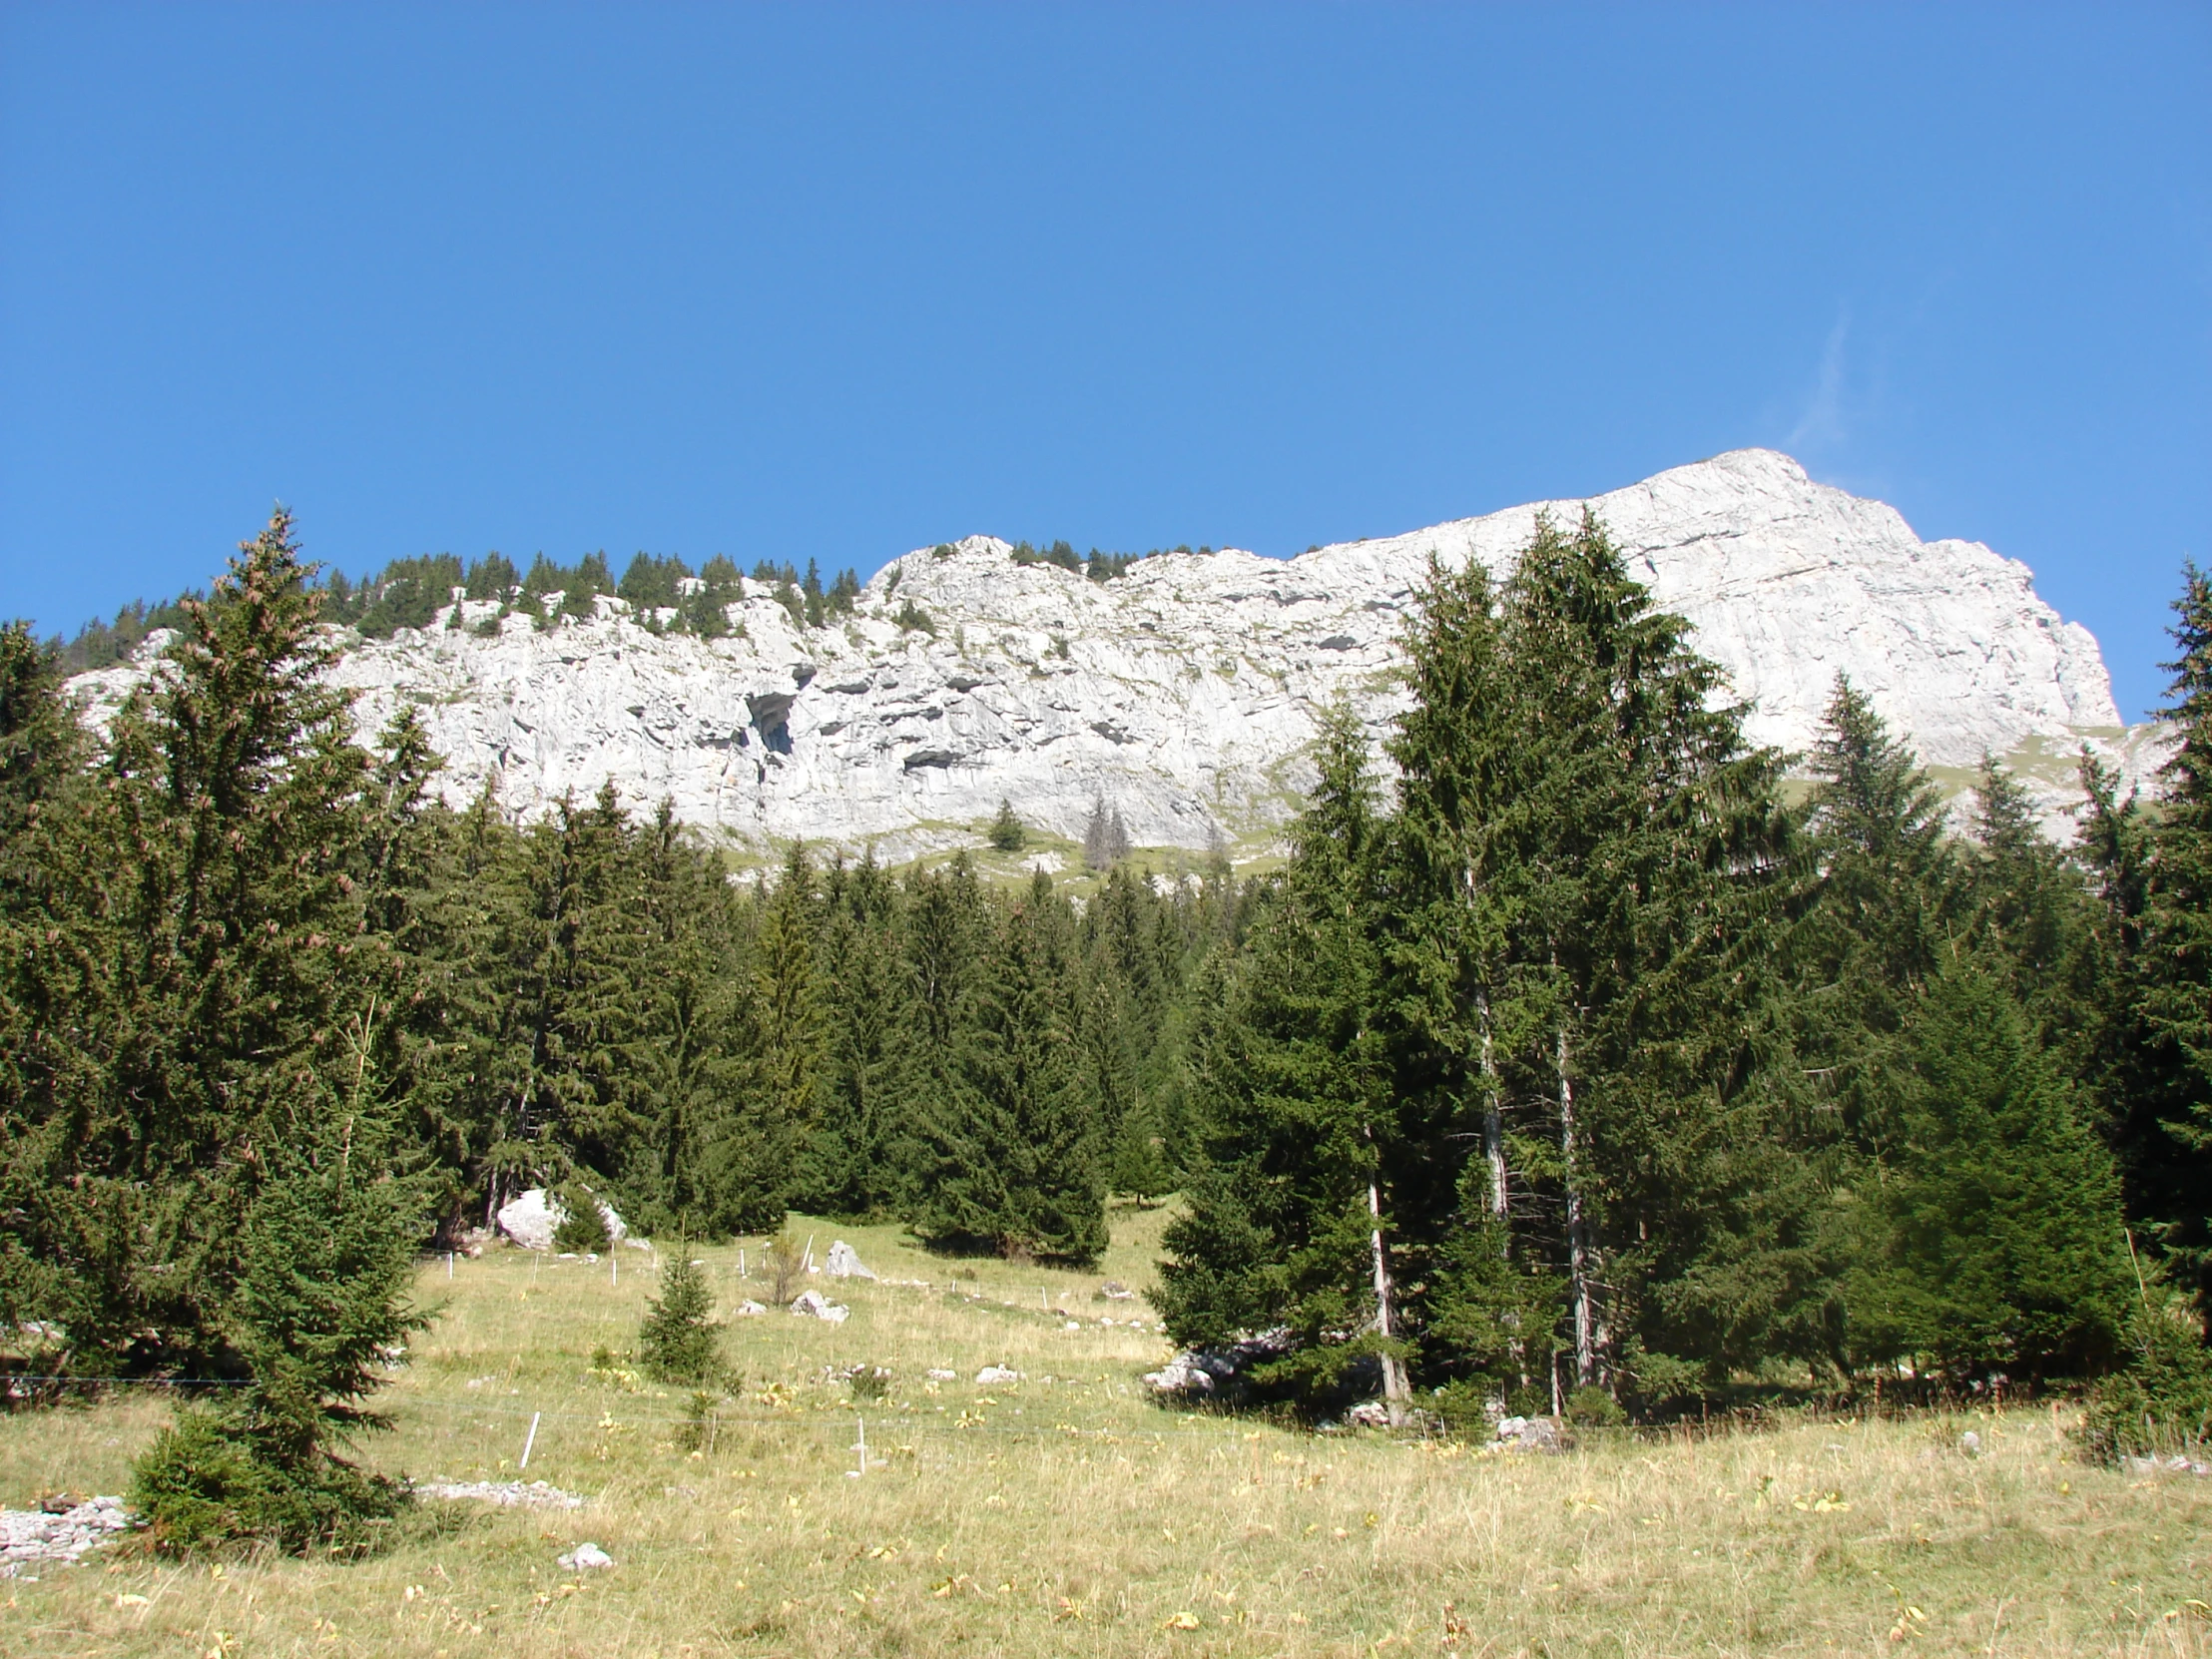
x,y
836,282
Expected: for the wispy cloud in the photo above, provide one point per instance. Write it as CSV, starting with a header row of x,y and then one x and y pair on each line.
x,y
1820,423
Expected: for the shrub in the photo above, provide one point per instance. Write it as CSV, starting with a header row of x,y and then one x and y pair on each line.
x,y
679,1341
2163,1400
208,1481
869,1382
320,1313
1006,831
913,618
583,1227
1590,1407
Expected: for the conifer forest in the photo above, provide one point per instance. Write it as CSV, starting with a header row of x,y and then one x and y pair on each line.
x,y
1587,1060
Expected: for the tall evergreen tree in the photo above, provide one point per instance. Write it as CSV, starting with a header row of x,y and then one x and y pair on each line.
x,y
206,980
1009,1149
1998,1245
2168,1137
1290,1219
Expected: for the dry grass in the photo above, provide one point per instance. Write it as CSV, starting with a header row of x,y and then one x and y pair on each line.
x,y
1071,1517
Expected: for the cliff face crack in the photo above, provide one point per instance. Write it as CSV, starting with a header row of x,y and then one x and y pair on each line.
x,y
771,719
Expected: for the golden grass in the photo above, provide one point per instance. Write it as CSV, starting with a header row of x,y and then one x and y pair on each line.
x,y
1072,1516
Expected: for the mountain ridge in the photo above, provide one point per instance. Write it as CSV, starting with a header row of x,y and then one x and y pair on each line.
x,y
1183,692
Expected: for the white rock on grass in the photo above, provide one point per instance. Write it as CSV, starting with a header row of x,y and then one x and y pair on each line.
x,y
844,1262
584,1558
748,1308
814,1305
509,1495
992,1376
1184,694
35,1537
532,1217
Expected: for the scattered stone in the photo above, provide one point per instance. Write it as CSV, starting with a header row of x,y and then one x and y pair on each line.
x,y
844,1262
812,1305
509,1495
747,1309
1970,1443
1531,1435
532,1219
584,1558
2165,1465
1203,1374
473,1241
944,1377
992,1376
29,1537
1115,1291
1071,1325
1370,1413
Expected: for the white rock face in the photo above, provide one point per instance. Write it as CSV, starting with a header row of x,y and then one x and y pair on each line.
x,y
532,1217
1184,692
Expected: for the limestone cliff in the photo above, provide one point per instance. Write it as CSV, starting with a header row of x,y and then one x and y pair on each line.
x,y
1184,692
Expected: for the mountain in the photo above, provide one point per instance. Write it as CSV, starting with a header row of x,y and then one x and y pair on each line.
x,y
1183,692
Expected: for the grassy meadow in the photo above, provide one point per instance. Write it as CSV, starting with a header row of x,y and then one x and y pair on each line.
x,y
1067,1515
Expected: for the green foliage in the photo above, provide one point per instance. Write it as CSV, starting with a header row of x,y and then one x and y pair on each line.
x,y
407,594
912,618
1999,1250
651,584
680,1341
1592,1407
786,1257
870,1383
1009,1158
582,1228
320,1310
2161,1401
1578,1063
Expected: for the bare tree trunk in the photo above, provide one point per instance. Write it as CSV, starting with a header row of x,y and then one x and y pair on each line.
x,y
1395,1389
1493,1121
1578,1237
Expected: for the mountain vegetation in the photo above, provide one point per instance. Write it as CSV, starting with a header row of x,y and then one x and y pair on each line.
x,y
1578,1069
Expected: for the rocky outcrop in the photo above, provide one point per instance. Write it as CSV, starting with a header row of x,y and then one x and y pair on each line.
x,y
58,1535
532,1217
1183,692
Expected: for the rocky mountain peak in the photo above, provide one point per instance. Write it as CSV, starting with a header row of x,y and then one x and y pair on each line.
x,y
1183,692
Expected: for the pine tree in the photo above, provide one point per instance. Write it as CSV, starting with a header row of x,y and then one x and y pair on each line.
x,y
1009,1147
320,1307
1288,1223
686,1037
209,984
1006,831
856,1158
1999,1247
678,1339
2168,1137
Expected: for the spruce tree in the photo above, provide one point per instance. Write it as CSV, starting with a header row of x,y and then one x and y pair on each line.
x,y
854,1160
678,1339
211,985
1289,1221
2168,1135
1996,1244
1009,1151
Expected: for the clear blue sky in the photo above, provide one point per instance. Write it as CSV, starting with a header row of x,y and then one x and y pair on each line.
x,y
836,282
